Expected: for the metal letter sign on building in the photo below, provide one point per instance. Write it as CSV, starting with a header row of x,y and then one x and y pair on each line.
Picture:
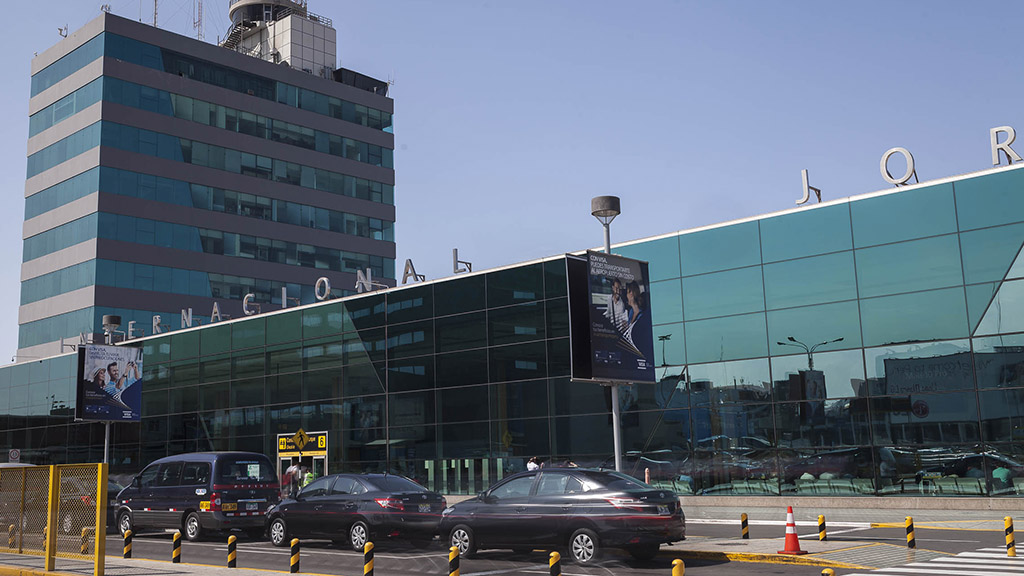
x,y
610,319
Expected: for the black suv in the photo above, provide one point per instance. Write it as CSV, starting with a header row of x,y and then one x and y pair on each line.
x,y
199,492
580,509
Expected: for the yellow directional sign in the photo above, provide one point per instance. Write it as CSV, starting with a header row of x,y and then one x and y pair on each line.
x,y
300,439
302,443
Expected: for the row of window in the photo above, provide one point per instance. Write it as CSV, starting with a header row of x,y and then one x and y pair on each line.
x,y
65,149
242,122
966,205
142,54
197,153
66,107
170,147
149,187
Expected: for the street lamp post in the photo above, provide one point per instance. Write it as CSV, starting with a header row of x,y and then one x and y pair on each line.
x,y
605,209
809,349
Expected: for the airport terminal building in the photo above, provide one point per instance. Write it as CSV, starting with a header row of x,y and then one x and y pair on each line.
x,y
871,345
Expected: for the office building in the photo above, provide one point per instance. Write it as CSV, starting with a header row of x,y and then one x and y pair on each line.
x,y
169,174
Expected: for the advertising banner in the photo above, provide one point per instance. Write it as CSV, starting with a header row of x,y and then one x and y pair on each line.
x,y
616,344
109,383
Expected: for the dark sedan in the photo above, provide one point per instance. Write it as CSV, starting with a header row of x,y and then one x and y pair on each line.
x,y
356,508
579,509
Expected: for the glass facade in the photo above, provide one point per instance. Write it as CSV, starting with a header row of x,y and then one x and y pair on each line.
x,y
867,347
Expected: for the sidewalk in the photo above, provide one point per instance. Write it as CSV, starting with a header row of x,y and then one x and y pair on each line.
x,y
20,565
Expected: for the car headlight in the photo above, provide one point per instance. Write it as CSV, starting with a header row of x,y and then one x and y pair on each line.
x,y
447,511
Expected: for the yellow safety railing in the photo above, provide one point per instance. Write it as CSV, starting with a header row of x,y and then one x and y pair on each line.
x,y
55,512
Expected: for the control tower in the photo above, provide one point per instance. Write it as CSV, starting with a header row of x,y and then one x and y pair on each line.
x,y
284,32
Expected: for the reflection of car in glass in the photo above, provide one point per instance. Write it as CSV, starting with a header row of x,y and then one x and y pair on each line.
x,y
846,463
201,491
358,508
582,509
663,466
78,504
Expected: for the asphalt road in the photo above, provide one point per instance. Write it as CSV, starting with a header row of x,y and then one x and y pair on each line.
x,y
396,558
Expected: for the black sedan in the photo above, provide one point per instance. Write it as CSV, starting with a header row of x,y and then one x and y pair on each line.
x,y
579,509
356,508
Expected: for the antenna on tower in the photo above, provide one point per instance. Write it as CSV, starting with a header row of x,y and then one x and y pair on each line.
x,y
155,2
197,21
63,31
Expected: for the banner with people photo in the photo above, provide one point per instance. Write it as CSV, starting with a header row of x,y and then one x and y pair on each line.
x,y
109,383
610,319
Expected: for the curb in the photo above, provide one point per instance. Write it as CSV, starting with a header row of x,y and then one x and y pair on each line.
x,y
766,559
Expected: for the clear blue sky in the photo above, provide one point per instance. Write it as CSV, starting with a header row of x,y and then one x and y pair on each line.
x,y
510,116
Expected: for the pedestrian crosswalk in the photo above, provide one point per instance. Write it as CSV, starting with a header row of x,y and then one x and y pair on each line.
x,y
983,562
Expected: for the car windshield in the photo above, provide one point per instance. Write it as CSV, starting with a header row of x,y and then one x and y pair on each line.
x,y
235,469
396,484
614,481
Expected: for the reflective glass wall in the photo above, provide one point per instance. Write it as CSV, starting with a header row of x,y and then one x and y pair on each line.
x,y
869,347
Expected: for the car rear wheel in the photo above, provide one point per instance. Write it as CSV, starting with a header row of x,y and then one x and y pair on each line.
x,y
583,546
644,551
278,532
463,539
193,528
358,535
124,523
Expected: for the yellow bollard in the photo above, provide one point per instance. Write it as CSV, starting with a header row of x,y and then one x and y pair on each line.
x,y
84,547
1011,544
176,547
295,556
127,543
555,564
744,529
678,568
11,540
368,559
232,551
828,572
822,536
453,561
911,543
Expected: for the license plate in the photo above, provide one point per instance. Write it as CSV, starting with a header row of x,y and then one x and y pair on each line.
x,y
663,510
252,506
424,507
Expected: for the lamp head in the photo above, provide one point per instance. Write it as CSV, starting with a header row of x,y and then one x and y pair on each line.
x,y
791,339
605,208
111,323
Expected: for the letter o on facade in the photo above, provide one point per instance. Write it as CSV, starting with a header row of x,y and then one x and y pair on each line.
x,y
885,166
322,291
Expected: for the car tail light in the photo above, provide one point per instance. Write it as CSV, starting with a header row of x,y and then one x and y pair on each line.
x,y
214,502
393,503
629,503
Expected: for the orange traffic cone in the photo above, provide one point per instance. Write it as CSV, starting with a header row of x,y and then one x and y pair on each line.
x,y
792,541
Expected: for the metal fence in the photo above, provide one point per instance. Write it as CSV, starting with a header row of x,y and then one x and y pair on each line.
x,y
55,512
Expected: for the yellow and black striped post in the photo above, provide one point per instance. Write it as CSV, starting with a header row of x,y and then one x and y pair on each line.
x,y
822,535
555,564
678,568
744,529
46,530
295,556
12,542
127,543
232,551
911,543
368,559
453,561
1011,544
828,572
176,548
83,549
